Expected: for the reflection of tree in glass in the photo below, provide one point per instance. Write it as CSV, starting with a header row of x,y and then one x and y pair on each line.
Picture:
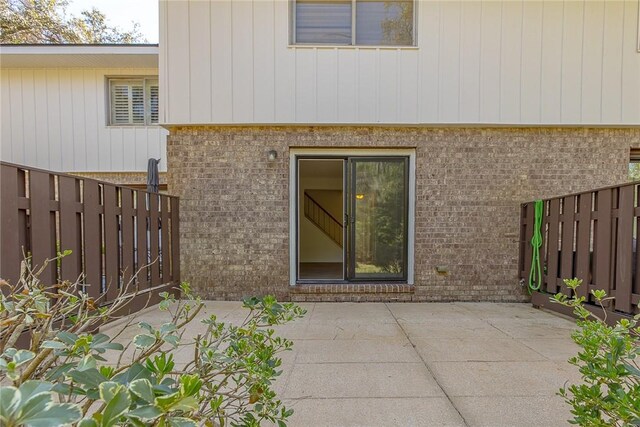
x,y
380,217
634,171
398,29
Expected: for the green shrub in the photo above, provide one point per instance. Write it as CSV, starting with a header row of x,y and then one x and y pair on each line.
x,y
607,361
64,376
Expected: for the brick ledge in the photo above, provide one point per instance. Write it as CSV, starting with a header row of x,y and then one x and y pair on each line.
x,y
353,288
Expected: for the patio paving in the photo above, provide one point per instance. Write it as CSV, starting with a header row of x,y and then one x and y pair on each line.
x,y
423,364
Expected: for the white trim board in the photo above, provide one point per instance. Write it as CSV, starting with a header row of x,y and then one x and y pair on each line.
x,y
338,152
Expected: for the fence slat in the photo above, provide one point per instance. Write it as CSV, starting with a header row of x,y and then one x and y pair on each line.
x,y
42,224
566,263
11,250
70,228
154,239
624,250
141,240
128,265
111,252
602,242
164,239
553,249
175,239
583,243
92,238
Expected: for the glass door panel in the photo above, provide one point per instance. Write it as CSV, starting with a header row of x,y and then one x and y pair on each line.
x,y
378,218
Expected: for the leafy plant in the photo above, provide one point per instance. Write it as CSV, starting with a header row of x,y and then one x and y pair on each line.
x,y
607,361
71,373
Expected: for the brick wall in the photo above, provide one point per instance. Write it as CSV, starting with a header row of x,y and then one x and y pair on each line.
x,y
469,185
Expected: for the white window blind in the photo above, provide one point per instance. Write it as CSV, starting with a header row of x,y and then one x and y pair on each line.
x,y
321,21
354,22
133,101
153,101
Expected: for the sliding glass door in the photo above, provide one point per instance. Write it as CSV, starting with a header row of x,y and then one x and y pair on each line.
x,y
378,218
352,218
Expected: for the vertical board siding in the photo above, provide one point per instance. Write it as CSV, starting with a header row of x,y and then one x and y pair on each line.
x,y
242,52
327,83
551,62
592,46
631,64
306,88
221,62
490,41
428,67
367,64
573,30
347,80
264,61
6,150
612,52
530,78
491,62
285,93
56,119
177,38
15,122
511,55
470,62
449,70
41,116
388,85
54,123
200,64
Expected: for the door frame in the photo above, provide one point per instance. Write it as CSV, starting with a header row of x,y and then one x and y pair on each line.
x,y
295,153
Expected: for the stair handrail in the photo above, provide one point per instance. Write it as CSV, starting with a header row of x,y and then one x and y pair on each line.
x,y
333,219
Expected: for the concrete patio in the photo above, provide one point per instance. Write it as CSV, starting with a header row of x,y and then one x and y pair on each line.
x,y
445,364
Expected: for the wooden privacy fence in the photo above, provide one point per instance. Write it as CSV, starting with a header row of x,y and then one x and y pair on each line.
x,y
591,236
112,231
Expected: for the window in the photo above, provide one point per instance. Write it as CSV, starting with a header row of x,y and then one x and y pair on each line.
x,y
354,22
634,165
133,101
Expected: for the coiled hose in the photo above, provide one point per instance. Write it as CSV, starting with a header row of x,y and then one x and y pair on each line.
x,y
536,244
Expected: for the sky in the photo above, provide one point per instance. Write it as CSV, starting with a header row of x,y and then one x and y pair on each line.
x,y
121,13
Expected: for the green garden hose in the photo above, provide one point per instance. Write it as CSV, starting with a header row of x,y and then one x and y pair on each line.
x,y
536,243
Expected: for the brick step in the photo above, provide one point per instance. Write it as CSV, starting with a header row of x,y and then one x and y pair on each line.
x,y
352,292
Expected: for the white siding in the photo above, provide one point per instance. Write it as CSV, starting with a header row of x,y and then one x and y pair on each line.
x,y
56,119
476,62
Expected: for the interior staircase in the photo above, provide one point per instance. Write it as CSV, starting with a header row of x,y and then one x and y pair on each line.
x,y
322,219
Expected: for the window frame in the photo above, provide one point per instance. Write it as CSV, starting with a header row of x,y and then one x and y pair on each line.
x,y
353,44
147,81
